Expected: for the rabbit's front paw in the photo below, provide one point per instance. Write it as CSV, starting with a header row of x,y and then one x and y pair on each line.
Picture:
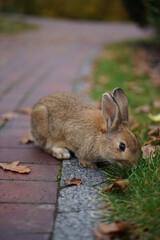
x,y
60,153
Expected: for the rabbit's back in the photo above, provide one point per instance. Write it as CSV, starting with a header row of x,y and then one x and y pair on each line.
x,y
54,115
65,102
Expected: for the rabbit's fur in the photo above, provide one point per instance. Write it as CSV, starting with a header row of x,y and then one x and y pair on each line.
x,y
62,122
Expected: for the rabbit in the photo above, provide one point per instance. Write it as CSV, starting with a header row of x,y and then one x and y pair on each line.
x,y
62,123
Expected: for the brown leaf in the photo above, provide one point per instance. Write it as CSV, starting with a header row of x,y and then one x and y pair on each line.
x,y
154,141
142,109
154,130
73,181
138,90
106,231
154,136
107,188
100,236
9,116
135,125
103,79
156,103
149,150
26,139
116,184
14,167
25,110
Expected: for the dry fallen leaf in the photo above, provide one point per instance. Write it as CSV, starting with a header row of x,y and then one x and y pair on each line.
x,y
9,116
116,184
154,130
156,103
103,79
106,231
25,110
154,136
138,90
14,167
149,151
135,125
154,118
26,139
154,141
73,181
142,109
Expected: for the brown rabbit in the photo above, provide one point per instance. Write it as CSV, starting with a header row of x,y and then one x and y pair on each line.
x,y
62,122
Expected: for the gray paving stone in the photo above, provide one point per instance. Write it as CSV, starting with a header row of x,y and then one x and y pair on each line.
x,y
76,225
89,176
78,206
78,198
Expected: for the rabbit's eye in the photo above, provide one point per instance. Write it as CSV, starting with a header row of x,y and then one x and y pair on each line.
x,y
122,147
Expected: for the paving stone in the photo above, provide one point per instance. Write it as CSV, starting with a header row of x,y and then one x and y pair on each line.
x,y
25,218
75,225
14,132
33,155
89,176
14,142
78,198
38,173
24,236
27,192
22,121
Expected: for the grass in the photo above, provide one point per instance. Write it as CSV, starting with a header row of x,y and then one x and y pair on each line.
x,y
139,203
10,25
116,68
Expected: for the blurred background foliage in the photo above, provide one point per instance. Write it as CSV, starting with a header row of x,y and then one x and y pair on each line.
x,y
143,12
75,9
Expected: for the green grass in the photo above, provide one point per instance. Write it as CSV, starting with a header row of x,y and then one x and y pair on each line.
x,y
116,64
10,25
139,203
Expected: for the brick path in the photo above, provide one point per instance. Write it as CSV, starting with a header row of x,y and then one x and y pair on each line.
x,y
34,64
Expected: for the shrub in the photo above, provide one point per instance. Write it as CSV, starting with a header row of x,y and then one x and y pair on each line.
x,y
145,12
76,9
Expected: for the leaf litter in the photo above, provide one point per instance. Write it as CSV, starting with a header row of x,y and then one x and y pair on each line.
x,y
142,109
25,111
107,231
156,103
26,139
15,167
9,116
73,181
121,184
149,148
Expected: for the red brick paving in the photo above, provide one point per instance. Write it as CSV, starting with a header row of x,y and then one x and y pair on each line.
x,y
28,191
34,64
29,156
33,218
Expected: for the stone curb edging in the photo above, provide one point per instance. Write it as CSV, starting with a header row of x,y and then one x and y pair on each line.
x,y
78,206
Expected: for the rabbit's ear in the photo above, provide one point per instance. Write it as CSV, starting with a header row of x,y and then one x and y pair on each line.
x,y
122,101
110,111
